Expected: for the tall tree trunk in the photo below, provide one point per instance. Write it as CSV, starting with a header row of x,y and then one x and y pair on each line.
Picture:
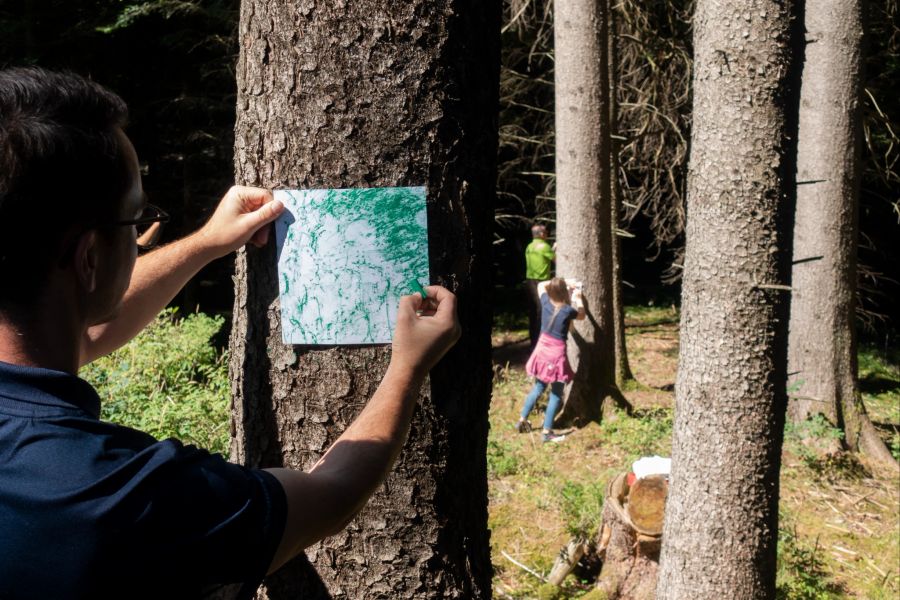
x,y
623,369
721,520
368,93
583,205
822,346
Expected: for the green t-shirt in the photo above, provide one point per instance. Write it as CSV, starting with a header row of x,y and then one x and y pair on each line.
x,y
538,256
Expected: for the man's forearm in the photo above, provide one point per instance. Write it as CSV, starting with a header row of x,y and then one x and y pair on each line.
x,y
157,278
382,427
323,501
243,216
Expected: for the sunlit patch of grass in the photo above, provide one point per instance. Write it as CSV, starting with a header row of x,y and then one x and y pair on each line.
x,y
650,314
833,505
840,539
879,382
647,432
802,573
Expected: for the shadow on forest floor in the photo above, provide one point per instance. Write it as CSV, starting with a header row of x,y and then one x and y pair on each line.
x,y
878,385
511,351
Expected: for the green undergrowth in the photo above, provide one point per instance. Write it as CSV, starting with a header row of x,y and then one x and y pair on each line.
x,y
581,504
879,382
647,432
169,381
812,439
648,315
802,574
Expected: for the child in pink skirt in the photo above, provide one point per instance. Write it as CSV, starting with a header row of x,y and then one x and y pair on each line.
x,y
548,363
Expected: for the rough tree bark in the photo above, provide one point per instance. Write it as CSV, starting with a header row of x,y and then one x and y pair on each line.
x,y
368,93
822,346
623,368
583,201
721,519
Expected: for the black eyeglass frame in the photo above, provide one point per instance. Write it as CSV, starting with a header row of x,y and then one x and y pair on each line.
x,y
160,217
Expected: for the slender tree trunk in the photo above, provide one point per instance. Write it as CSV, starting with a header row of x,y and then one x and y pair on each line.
x,y
367,93
822,347
583,205
721,519
623,369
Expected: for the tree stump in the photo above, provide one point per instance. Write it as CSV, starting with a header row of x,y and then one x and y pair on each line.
x,y
630,538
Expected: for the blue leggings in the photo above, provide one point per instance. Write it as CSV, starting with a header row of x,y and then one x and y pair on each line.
x,y
556,390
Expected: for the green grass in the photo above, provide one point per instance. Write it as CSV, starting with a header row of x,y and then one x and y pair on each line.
x,y
839,529
879,382
648,315
169,381
581,505
802,574
647,432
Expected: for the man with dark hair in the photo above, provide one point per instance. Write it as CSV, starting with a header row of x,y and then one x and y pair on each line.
x,y
89,509
539,257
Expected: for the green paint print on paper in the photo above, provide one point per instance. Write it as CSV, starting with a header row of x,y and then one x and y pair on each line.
x,y
344,259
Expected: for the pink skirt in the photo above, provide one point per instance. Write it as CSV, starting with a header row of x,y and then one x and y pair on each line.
x,y
548,362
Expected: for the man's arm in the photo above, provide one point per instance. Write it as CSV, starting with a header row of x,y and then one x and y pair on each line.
x,y
321,502
242,216
550,252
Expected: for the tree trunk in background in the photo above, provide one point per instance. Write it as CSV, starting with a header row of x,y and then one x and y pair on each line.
x,y
822,348
369,93
721,522
623,369
583,203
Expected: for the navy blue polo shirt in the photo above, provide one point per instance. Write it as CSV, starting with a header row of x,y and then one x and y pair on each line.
x,y
89,509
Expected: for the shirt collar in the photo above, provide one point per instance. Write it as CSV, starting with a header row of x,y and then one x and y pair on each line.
x,y
48,388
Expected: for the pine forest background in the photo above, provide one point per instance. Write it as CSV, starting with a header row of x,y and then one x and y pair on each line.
x,y
173,63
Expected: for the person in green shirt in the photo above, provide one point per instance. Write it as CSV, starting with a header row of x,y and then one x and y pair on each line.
x,y
539,256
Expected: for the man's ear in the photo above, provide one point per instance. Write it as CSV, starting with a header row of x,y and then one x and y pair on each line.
x,y
85,260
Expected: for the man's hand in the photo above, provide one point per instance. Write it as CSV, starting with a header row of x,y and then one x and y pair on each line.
x,y
321,502
242,217
426,329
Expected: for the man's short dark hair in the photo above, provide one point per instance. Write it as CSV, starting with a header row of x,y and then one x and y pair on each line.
x,y
61,165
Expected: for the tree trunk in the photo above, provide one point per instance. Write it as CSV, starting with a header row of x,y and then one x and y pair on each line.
x,y
630,554
583,205
368,93
623,369
822,345
721,520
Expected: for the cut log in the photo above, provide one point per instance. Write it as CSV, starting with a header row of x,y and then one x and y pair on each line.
x,y
647,503
630,551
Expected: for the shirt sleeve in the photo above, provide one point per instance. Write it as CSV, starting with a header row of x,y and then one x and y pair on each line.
x,y
548,252
209,524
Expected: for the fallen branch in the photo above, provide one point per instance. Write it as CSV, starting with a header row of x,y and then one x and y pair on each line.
x,y
523,567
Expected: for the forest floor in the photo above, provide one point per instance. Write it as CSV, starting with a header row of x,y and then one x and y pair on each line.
x,y
839,531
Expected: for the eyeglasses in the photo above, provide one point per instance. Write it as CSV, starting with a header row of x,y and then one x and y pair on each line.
x,y
148,226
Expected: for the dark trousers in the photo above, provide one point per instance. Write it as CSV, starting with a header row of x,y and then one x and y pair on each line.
x,y
534,311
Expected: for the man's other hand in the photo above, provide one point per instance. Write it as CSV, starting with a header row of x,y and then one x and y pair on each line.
x,y
243,216
426,329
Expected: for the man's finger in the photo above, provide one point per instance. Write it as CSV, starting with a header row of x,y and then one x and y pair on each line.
x,y
261,237
443,298
411,303
269,211
251,198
